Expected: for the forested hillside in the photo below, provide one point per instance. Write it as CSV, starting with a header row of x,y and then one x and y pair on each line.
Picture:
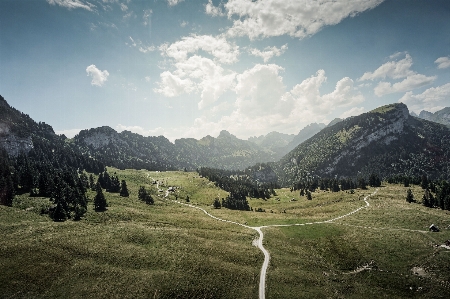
x,y
34,160
386,141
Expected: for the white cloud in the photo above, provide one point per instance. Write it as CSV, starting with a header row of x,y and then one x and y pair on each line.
x,y
172,85
397,70
392,69
183,24
307,96
123,7
98,77
443,62
352,112
212,10
197,74
265,18
218,47
70,4
259,91
173,2
411,82
432,99
268,52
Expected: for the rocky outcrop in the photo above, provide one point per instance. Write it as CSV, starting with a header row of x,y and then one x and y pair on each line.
x,y
13,144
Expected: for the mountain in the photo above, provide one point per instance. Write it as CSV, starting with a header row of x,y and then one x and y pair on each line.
x,y
441,116
304,134
334,121
19,134
274,141
386,141
130,150
226,152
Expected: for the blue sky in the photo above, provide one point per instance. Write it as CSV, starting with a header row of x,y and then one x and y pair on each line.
x,y
192,68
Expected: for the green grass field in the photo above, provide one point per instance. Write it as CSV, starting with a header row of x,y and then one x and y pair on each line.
x,y
168,250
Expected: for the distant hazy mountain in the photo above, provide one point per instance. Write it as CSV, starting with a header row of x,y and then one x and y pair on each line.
x,y
274,141
130,150
386,141
334,121
441,116
304,134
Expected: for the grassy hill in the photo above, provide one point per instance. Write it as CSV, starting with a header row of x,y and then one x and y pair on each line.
x,y
168,250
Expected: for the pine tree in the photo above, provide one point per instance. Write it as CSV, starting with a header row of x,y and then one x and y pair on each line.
x,y
99,200
409,196
124,189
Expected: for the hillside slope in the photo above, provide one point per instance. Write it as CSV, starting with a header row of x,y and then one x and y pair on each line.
x,y
386,141
20,134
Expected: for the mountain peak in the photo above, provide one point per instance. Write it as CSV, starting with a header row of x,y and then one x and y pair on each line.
x,y
225,134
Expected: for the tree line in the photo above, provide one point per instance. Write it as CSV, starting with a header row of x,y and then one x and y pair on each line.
x,y
59,174
239,185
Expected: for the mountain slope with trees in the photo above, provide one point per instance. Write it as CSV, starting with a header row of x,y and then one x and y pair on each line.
x,y
387,141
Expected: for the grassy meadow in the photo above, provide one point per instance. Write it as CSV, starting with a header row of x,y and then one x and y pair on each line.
x,y
167,250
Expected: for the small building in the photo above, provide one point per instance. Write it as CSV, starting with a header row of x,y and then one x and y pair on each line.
x,y
434,228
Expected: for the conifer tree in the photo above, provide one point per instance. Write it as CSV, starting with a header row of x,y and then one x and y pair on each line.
x,y
409,196
124,189
100,203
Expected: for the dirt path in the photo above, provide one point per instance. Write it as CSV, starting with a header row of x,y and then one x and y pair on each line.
x,y
259,241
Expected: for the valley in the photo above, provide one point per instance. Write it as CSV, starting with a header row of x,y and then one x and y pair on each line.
x,y
170,250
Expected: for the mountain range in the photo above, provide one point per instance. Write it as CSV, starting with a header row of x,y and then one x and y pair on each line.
x,y
387,141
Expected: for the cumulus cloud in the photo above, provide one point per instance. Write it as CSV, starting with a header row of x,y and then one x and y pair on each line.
x,y
268,52
432,99
195,73
222,50
212,10
397,70
392,69
259,91
443,62
70,4
411,82
265,18
172,85
98,77
307,95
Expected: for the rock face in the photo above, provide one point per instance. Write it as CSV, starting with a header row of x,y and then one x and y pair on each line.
x,y
441,116
15,145
103,136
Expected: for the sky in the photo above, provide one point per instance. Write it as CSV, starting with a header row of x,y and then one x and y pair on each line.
x,y
191,68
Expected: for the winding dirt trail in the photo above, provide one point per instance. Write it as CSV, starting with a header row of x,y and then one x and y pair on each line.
x,y
259,241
